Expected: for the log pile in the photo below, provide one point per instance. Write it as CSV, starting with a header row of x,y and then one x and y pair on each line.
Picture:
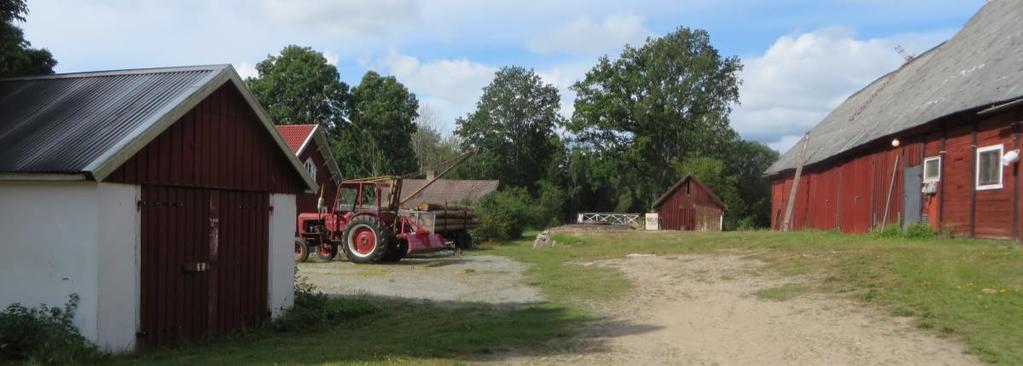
x,y
450,217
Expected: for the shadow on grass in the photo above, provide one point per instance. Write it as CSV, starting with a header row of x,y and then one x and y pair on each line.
x,y
395,331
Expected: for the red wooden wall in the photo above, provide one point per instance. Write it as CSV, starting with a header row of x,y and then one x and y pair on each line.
x,y
850,193
218,144
690,206
307,201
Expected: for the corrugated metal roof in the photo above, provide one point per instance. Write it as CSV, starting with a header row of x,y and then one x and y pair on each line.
x,y
89,123
63,123
447,191
980,66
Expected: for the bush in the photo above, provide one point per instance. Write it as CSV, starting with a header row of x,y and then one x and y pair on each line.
x,y
45,335
913,231
506,214
313,309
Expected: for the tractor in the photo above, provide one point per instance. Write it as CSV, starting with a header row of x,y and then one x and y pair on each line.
x,y
365,222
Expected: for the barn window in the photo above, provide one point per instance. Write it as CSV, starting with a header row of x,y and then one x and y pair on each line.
x,y
989,167
310,166
932,169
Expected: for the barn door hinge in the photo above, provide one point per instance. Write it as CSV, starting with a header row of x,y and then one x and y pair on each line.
x,y
139,204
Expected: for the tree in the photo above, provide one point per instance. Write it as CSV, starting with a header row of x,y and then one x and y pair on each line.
x,y
747,162
513,128
432,149
379,139
17,57
300,86
666,100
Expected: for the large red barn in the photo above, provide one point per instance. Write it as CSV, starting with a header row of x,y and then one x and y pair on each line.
x,y
935,141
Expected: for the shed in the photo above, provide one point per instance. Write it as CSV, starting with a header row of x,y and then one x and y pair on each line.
x,y
689,205
931,142
163,198
309,143
445,191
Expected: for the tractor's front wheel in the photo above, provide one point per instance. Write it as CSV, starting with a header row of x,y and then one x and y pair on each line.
x,y
366,240
301,253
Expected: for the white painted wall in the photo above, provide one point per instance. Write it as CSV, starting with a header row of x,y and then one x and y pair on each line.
x,y
118,244
282,244
48,234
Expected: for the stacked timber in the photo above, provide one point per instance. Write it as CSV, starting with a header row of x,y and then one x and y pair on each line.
x,y
450,217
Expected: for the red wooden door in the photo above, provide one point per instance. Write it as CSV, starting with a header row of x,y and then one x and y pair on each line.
x,y
204,261
174,263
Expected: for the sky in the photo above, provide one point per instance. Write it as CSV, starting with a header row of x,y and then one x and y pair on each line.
x,y
801,57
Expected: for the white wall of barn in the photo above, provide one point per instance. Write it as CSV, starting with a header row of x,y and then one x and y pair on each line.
x,y
48,247
282,244
118,244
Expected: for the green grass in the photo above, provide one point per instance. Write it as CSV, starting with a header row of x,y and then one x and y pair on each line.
x,y
957,288
962,288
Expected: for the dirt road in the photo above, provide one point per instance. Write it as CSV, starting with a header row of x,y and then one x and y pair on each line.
x,y
702,310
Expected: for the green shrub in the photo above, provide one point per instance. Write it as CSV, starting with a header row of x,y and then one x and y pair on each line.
x,y
314,310
890,231
45,335
920,230
506,214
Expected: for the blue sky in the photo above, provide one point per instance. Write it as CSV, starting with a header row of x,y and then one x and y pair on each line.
x,y
802,57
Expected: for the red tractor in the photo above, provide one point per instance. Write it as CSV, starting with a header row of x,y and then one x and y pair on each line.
x,y
365,222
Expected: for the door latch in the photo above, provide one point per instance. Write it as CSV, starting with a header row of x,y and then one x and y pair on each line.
x,y
196,267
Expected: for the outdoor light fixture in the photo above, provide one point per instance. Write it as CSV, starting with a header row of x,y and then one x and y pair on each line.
x,y
895,143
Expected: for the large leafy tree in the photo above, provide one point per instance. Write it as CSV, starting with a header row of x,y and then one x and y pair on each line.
x,y
17,57
664,101
513,127
300,86
747,161
379,139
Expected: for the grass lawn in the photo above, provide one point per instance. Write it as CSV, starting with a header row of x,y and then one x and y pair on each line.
x,y
965,289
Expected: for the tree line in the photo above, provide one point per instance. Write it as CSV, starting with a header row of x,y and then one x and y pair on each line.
x,y
642,120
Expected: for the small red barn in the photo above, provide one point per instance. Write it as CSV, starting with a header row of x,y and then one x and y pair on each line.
x,y
164,198
689,205
309,143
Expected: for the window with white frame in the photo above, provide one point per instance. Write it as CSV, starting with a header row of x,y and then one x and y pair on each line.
x,y
932,169
310,166
989,167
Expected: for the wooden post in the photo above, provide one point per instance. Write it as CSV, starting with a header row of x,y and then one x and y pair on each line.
x,y
891,187
791,205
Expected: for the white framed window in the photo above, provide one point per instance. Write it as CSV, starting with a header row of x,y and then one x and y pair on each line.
x,y
932,169
310,166
989,167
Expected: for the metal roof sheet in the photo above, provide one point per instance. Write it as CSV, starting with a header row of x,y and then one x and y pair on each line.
x,y
447,191
980,66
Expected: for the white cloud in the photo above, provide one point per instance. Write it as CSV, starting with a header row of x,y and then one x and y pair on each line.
x,y
449,86
583,36
343,17
800,79
246,70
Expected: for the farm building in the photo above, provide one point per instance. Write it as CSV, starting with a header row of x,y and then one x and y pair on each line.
x,y
689,205
935,141
163,198
446,191
309,143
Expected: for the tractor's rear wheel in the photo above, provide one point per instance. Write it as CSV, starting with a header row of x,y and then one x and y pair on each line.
x,y
366,240
301,250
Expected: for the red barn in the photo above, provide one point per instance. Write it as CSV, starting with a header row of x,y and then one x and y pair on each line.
x,y
690,205
164,198
309,143
936,141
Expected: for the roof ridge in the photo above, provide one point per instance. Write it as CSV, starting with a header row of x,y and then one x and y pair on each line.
x,y
121,72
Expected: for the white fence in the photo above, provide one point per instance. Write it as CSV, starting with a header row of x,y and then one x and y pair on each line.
x,y
609,218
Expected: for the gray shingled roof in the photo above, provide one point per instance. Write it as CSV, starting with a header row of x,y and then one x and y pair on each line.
x,y
980,66
447,191
90,123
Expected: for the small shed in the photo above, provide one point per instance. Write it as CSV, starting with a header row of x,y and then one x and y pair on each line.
x,y
689,205
164,198
309,143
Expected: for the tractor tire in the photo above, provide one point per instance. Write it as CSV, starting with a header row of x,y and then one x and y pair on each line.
x,y
397,252
366,240
326,253
301,253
